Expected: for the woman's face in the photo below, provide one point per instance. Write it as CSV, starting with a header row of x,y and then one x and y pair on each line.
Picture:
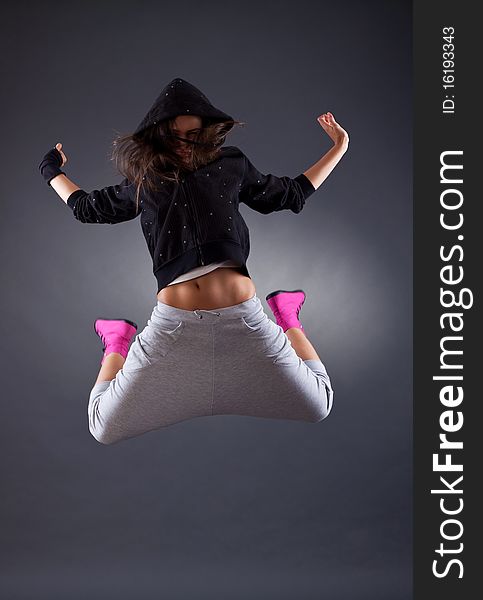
x,y
187,127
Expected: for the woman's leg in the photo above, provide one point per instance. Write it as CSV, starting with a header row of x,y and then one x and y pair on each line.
x,y
258,373
286,306
301,344
116,336
166,378
109,368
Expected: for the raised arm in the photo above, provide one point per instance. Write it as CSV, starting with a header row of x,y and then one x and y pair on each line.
x,y
63,186
269,193
319,171
111,204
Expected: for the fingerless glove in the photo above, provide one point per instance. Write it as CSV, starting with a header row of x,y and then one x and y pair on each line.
x,y
50,165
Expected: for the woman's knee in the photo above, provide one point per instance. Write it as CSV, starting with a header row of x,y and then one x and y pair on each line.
x,y
101,428
322,407
105,435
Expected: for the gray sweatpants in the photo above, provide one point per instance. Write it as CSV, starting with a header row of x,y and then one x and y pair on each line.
x,y
186,364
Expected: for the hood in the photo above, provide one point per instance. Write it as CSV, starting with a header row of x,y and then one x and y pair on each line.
x,y
180,97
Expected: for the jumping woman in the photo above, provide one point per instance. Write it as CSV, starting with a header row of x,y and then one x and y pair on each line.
x,y
208,348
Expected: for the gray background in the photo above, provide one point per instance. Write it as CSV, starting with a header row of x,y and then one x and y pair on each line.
x,y
222,507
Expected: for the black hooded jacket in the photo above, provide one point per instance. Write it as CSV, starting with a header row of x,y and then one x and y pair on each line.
x,y
194,222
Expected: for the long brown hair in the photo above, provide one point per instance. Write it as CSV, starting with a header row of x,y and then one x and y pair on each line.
x,y
150,155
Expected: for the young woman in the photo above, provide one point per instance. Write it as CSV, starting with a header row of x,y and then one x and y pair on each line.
x,y
208,347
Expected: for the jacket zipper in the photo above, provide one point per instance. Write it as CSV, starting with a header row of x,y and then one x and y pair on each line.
x,y
193,211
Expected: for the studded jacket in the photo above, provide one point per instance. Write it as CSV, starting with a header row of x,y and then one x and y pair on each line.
x,y
196,221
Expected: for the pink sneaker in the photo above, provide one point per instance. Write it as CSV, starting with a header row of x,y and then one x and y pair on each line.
x,y
286,306
116,335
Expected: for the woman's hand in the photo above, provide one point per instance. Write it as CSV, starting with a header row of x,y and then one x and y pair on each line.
x,y
319,172
64,157
50,165
50,169
337,134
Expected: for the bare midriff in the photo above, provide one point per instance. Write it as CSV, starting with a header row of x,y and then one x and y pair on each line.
x,y
220,288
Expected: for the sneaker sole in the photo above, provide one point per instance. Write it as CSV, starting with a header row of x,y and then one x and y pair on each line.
x,y
111,319
272,294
